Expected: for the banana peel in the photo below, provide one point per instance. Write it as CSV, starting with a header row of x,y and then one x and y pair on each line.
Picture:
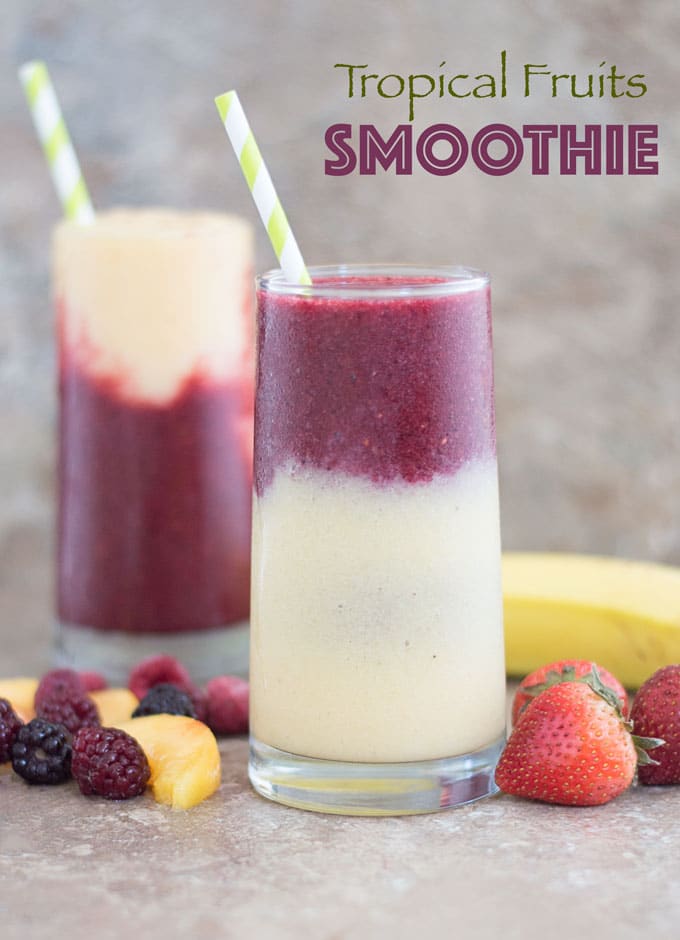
x,y
624,615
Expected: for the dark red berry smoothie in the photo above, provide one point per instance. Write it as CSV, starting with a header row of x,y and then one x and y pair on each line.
x,y
386,385
376,603
155,425
154,530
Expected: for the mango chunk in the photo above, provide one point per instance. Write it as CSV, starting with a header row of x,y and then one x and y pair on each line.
x,y
183,756
20,693
114,705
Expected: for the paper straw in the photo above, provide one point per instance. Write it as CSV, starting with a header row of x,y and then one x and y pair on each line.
x,y
262,189
56,143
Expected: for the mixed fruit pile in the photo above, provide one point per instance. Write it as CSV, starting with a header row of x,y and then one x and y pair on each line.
x,y
158,732
575,741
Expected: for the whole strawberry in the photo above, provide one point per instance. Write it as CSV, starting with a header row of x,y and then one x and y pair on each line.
x,y
564,670
572,746
656,713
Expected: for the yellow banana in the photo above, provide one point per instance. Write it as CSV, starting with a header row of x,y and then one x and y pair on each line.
x,y
625,615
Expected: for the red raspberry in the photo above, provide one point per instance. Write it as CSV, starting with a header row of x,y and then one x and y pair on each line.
x,y
59,680
227,711
71,711
110,763
157,670
93,681
10,723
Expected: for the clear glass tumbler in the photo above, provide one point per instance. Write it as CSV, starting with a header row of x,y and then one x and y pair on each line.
x,y
377,663
156,373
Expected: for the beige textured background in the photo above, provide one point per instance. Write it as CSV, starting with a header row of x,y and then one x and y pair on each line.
x,y
586,270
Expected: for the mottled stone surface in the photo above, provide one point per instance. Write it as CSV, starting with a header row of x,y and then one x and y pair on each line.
x,y
237,866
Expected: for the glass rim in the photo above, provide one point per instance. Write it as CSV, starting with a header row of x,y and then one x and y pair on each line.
x,y
409,280
151,223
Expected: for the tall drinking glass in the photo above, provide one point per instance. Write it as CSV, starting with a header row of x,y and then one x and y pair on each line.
x,y
156,371
377,665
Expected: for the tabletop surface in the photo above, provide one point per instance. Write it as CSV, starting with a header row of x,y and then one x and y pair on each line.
x,y
239,866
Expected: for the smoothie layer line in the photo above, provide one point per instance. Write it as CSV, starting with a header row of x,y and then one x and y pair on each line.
x,y
387,390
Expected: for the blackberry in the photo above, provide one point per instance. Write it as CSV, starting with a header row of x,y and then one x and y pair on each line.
x,y
41,752
110,763
70,709
10,723
165,699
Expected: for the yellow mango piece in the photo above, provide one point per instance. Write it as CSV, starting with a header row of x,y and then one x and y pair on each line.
x,y
114,705
20,693
183,756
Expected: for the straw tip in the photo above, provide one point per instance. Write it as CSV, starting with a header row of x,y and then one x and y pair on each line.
x,y
28,69
223,103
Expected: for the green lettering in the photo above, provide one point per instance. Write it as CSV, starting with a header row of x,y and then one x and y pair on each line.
x,y
400,80
342,65
412,94
640,85
453,92
490,84
528,72
364,79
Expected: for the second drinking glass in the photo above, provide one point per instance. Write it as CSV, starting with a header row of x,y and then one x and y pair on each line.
x,y
155,313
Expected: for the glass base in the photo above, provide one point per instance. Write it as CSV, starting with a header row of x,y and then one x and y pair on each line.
x,y
205,653
355,789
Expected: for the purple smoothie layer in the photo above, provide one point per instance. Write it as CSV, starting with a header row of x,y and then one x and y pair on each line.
x,y
385,388
154,504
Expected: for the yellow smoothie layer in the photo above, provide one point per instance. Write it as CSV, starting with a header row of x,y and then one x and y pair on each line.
x,y
377,616
151,296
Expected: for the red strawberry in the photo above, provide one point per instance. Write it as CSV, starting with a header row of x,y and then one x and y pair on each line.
x,y
564,670
572,746
656,712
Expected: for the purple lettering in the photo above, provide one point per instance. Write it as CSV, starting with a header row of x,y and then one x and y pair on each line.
x,y
613,145
590,148
336,139
509,138
373,150
540,136
425,149
642,145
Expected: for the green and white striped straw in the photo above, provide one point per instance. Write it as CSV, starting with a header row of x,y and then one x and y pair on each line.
x,y
262,189
55,140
